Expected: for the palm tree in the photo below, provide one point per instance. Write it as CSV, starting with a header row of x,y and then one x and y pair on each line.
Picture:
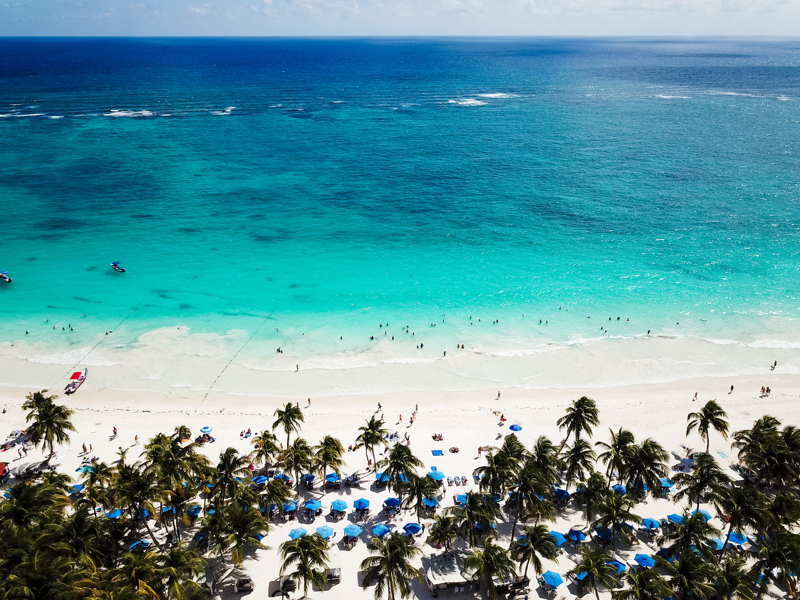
x,y
743,507
266,448
243,529
711,416
615,512
776,560
276,492
529,498
289,419
489,564
475,518
732,581
690,576
578,460
580,417
178,567
49,422
591,495
231,471
598,572
543,458
646,465
418,489
329,455
308,556
496,474
297,459
390,566
691,535
443,531
399,466
643,584
138,489
371,435
615,453
703,483
532,546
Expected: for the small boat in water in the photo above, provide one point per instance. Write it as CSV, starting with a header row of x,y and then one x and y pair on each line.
x,y
5,277
117,267
75,381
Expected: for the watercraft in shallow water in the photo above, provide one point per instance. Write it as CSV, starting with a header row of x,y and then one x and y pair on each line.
x,y
5,277
75,381
117,267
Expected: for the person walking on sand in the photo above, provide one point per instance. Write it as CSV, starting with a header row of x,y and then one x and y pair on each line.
x,y
694,399
114,430
730,391
775,364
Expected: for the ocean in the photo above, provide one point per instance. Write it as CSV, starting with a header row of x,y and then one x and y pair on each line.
x,y
329,196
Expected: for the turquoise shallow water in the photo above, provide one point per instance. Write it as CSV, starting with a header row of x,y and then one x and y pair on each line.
x,y
304,190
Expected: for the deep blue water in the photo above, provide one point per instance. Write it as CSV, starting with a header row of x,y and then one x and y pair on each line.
x,y
329,185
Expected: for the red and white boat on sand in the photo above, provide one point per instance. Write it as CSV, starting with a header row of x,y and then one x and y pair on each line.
x,y
75,381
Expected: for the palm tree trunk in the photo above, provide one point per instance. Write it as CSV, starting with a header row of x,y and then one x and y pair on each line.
x,y
725,545
596,592
513,530
366,455
708,443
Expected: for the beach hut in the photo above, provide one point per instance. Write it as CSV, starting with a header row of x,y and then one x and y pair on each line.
x,y
325,532
380,530
644,560
296,533
552,579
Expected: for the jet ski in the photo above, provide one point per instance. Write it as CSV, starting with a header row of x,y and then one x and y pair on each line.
x,y
5,277
117,267
75,381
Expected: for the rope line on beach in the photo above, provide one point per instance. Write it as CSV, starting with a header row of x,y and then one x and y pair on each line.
x,y
233,358
100,341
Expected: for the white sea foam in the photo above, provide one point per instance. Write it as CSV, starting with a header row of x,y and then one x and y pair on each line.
x,y
727,93
498,95
56,117
671,97
19,115
783,98
337,101
467,102
70,357
134,114
226,111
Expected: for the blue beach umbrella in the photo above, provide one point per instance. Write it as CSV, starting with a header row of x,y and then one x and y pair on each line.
x,y
383,477
649,523
675,518
307,477
282,476
436,475
167,509
581,576
666,482
515,427
260,479
716,544
412,528
211,511
297,532
260,536
576,535
666,554
552,579
619,488
290,507
558,538
561,494
339,505
430,502
461,499
392,502
85,469
644,560
205,429
361,504
114,514
194,510
704,513
313,504
380,530
332,478
604,533
77,488
352,530
618,566
737,538
139,544
325,532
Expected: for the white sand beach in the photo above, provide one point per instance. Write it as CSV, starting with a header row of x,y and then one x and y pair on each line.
x,y
467,419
